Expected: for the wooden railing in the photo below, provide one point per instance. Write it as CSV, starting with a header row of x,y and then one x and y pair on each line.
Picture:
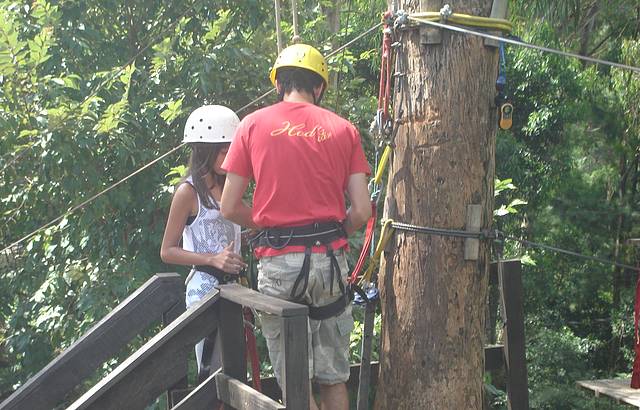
x,y
161,364
506,291
161,297
156,366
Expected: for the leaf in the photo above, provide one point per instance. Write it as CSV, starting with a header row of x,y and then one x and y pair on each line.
x,y
215,27
173,110
111,118
526,259
177,173
502,185
502,211
517,202
39,47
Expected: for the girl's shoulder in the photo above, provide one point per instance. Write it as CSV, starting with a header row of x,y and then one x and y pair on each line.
x,y
185,192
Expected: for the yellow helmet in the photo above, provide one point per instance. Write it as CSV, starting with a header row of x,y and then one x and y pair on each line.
x,y
301,56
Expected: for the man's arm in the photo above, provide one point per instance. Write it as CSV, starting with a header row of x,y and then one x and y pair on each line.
x,y
232,206
360,211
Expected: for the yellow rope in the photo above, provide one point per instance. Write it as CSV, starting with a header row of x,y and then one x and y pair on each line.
x,y
466,20
385,235
384,159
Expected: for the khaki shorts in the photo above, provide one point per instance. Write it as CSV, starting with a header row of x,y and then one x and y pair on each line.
x,y
329,338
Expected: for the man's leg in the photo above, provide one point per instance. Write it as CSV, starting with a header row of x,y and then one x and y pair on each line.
x,y
276,276
330,338
334,397
312,401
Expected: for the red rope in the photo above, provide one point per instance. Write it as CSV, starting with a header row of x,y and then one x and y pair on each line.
x,y
252,350
368,238
384,99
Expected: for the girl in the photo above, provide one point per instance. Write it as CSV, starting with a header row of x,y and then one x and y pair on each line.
x,y
210,243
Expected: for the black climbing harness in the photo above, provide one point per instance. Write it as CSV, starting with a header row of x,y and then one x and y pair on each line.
x,y
316,234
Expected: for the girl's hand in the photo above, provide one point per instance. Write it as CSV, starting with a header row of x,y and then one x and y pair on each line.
x,y
227,260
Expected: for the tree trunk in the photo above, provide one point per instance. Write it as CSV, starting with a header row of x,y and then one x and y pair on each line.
x,y
332,12
433,301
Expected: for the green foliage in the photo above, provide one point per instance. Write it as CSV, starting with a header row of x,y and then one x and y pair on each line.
x,y
91,91
510,208
358,334
74,121
573,155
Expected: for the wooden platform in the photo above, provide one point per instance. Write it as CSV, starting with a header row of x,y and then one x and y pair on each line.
x,y
617,389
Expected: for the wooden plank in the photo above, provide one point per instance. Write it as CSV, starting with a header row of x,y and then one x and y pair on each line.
x,y
493,357
514,341
263,303
295,371
234,361
144,375
474,220
143,307
182,384
430,35
493,270
617,389
240,396
205,396
365,365
492,306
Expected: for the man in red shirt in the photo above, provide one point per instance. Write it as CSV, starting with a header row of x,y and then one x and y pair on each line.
x,y
303,159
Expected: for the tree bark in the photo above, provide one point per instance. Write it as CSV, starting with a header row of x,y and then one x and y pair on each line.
x,y
433,301
332,12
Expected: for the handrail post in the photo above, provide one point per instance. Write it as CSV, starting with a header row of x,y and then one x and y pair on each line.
x,y
234,361
167,317
514,341
295,370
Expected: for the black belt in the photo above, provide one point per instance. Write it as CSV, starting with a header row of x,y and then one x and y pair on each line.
x,y
321,233
316,234
222,276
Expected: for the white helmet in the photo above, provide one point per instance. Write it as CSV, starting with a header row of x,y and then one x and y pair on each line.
x,y
211,123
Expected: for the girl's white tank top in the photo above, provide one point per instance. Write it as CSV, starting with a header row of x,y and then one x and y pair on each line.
x,y
210,232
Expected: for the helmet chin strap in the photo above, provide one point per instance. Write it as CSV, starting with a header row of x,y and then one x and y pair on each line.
x,y
316,101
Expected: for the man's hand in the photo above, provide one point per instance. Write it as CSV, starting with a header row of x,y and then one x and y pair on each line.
x,y
231,205
360,211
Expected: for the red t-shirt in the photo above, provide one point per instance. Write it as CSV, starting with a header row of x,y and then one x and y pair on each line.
x,y
301,157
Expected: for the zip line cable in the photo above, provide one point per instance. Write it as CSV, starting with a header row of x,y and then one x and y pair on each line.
x,y
104,191
524,44
112,77
82,204
497,235
571,253
17,156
